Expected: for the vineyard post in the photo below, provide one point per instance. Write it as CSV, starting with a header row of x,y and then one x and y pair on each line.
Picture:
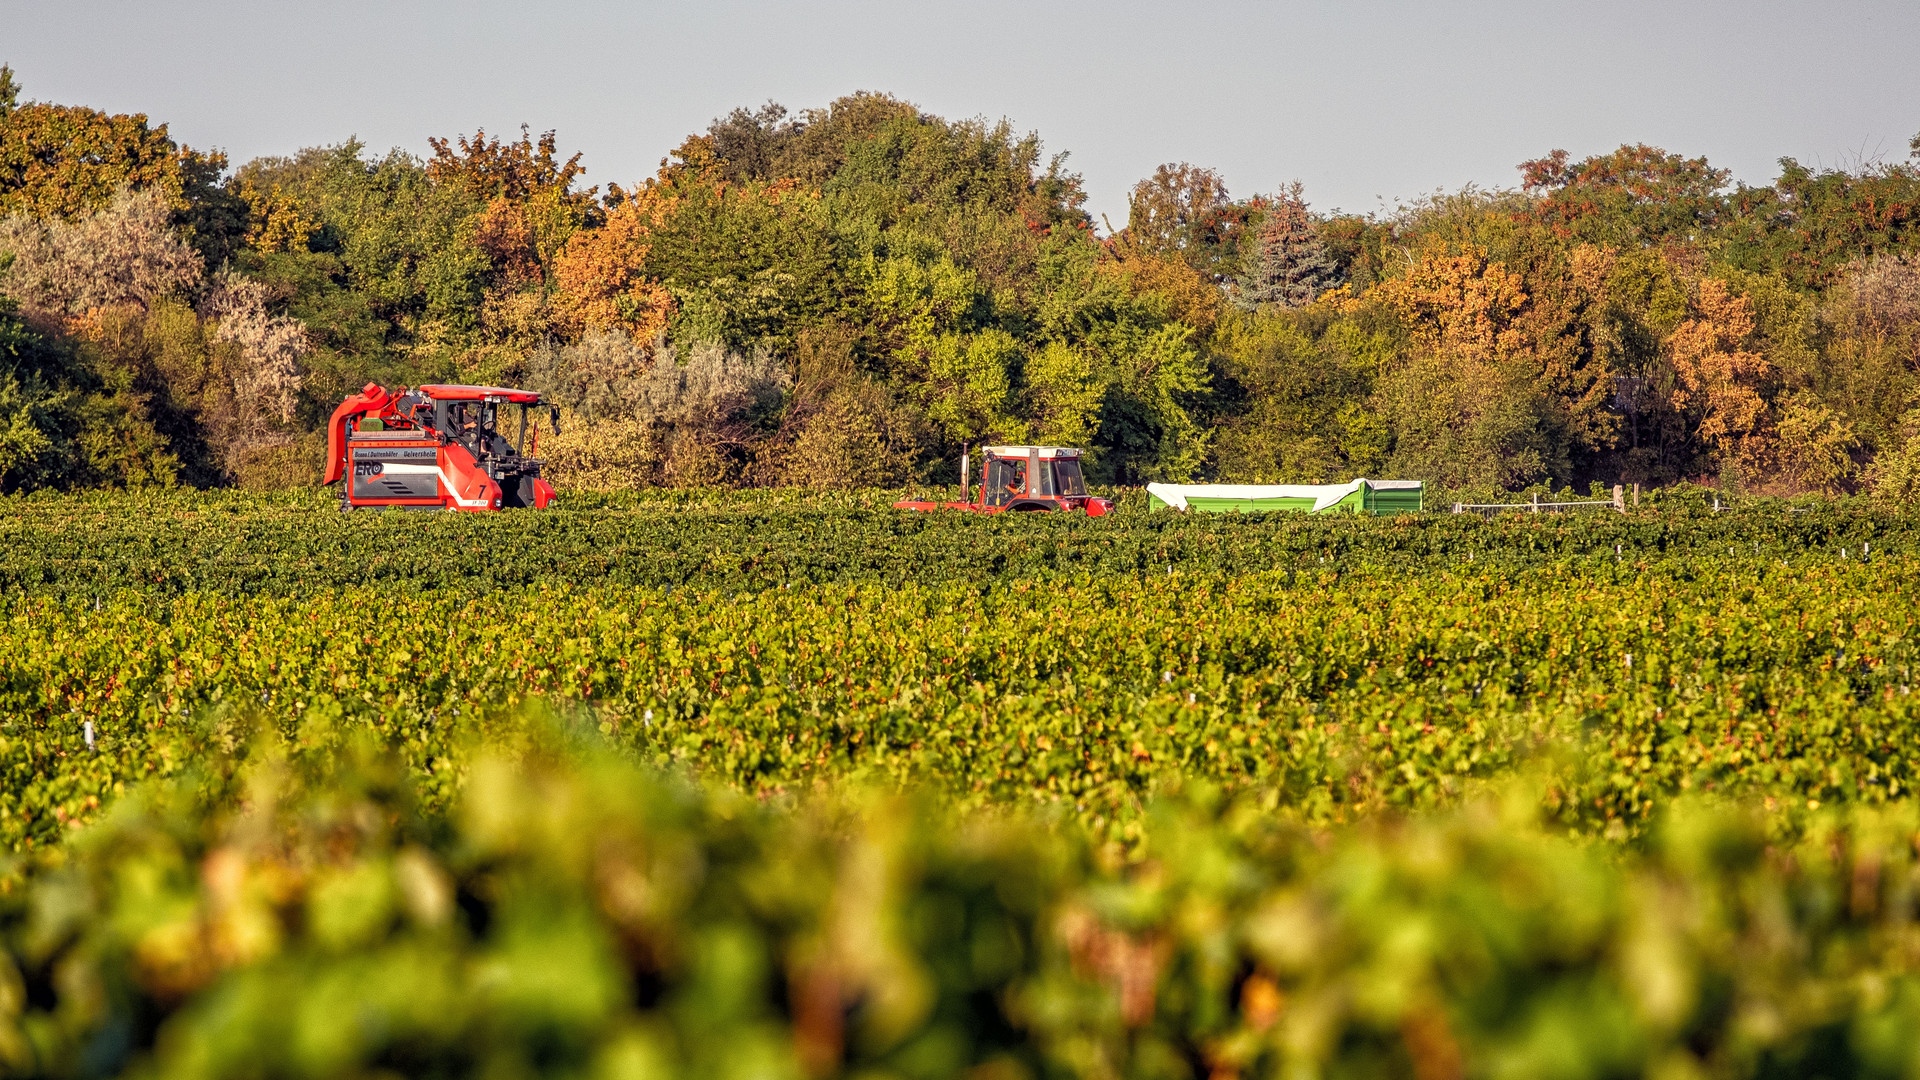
x,y
1536,502
1636,496
1619,499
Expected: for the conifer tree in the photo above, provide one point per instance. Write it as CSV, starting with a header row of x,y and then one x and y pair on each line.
x,y
1289,265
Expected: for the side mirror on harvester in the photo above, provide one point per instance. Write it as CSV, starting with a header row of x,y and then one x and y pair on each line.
x,y
553,414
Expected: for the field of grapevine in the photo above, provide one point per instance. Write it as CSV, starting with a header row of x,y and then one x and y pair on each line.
x,y
780,785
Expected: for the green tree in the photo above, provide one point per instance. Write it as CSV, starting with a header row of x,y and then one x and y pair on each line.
x,y
1866,364
748,263
1637,194
1182,211
1809,225
394,280
943,347
1468,421
751,143
63,426
1144,364
1298,387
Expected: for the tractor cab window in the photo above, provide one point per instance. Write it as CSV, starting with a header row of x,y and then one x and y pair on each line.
x,y
1046,479
1006,480
1067,479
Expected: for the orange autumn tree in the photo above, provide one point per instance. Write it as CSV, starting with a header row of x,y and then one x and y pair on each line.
x,y
1718,378
600,278
528,190
1461,302
1463,404
531,211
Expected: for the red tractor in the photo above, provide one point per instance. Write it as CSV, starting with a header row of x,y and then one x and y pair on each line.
x,y
435,447
1024,478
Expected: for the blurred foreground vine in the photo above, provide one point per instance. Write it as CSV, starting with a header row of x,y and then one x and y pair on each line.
x,y
296,911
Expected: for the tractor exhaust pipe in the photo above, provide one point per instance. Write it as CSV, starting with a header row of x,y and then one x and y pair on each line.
x,y
966,476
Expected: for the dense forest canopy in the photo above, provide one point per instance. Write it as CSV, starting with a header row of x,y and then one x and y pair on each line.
x,y
849,295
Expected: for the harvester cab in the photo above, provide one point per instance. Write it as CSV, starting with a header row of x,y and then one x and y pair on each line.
x,y
1023,479
439,446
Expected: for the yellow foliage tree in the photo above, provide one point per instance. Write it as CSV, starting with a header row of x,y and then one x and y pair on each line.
x,y
1504,358
1718,376
276,221
66,161
1461,302
601,275
1189,297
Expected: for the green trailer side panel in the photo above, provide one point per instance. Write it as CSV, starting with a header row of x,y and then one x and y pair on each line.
x,y
1212,505
1400,497
1395,501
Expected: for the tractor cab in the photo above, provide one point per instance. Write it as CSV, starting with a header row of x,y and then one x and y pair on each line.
x,y
1024,479
1033,478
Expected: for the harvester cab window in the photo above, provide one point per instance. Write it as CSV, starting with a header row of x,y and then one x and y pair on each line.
x,y
487,437
1067,479
448,416
471,423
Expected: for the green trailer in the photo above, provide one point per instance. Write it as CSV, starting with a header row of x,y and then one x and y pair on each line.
x,y
1357,496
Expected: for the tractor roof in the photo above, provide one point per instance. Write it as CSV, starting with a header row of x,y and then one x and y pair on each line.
x,y
444,392
1029,451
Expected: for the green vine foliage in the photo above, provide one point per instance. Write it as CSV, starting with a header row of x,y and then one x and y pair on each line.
x,y
711,784
161,543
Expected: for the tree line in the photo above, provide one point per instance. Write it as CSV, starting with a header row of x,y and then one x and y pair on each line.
x,y
848,295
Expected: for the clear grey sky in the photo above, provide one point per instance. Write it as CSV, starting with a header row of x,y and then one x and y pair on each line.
x,y
1362,101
